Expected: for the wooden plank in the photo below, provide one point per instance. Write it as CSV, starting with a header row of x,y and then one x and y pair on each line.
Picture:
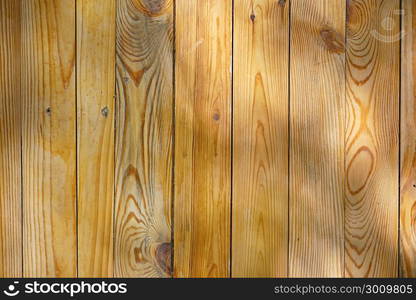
x,y
408,142
261,137
372,131
316,137
95,97
48,135
144,132
10,141
202,138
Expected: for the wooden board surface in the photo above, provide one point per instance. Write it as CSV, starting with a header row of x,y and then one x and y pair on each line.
x,y
202,138
95,122
10,137
316,138
372,131
207,138
260,139
48,136
408,142
144,133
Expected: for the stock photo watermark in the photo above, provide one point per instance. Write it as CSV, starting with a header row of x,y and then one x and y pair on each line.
x,y
389,27
70,289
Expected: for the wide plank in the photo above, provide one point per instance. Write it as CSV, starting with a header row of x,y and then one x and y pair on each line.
x,y
48,136
10,140
95,133
202,138
144,136
371,142
317,99
408,142
260,138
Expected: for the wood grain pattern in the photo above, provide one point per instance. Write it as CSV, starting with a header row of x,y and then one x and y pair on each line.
x,y
408,142
95,97
144,133
202,138
316,138
48,135
261,137
371,150
207,138
10,141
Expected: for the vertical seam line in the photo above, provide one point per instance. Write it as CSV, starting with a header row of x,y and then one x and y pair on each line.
x,y
76,139
289,135
173,124
399,141
114,100
232,141
344,129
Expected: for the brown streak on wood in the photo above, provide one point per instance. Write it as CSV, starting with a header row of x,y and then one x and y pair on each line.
x,y
371,142
153,8
408,143
316,242
261,137
163,257
96,81
366,168
202,145
144,144
334,41
10,143
49,145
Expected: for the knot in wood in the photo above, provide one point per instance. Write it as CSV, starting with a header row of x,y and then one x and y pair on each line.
x,y
105,111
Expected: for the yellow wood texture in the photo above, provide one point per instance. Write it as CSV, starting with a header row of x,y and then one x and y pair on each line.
x,y
144,136
317,102
371,141
207,138
48,136
10,141
202,138
408,142
260,139
95,122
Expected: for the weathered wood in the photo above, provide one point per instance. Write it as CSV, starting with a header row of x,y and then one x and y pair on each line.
x,y
372,130
202,138
95,111
48,136
10,141
408,142
261,137
317,102
144,132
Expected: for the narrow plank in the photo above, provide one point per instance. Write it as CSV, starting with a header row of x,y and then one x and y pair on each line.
x,y
261,137
95,128
202,138
144,132
48,136
10,141
408,142
371,142
317,79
